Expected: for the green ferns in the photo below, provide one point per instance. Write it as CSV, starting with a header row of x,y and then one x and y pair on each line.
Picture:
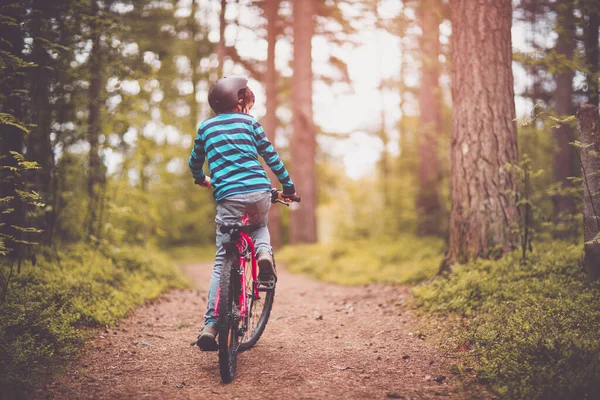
x,y
533,328
48,304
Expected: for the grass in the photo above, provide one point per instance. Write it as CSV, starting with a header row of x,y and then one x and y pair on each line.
x,y
49,305
183,255
406,259
532,330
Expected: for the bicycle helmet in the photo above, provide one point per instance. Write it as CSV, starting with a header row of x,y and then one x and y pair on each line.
x,y
223,94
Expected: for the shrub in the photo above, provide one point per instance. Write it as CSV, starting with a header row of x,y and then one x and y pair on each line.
x,y
534,328
48,304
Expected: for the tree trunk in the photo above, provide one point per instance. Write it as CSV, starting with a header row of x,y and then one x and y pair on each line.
x,y
221,45
484,133
11,137
592,49
429,204
589,131
384,160
563,158
94,122
303,144
270,120
39,148
195,61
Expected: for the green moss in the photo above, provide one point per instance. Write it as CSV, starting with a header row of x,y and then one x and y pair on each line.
x,y
533,328
405,259
49,304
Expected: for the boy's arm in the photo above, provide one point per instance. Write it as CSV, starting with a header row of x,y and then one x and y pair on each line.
x,y
269,154
197,158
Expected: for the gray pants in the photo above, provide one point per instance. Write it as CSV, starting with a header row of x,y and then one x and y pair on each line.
x,y
231,210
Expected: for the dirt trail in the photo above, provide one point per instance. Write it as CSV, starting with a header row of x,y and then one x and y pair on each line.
x,y
322,342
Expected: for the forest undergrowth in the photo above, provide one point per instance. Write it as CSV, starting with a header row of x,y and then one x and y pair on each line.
x,y
50,304
404,259
529,328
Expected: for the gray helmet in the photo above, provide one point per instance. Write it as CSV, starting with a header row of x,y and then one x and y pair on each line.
x,y
223,94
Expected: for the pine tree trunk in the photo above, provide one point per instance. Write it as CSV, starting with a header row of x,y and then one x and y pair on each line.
x,y
589,131
563,158
592,49
384,160
195,62
11,137
484,133
221,45
39,148
270,120
303,225
94,123
429,205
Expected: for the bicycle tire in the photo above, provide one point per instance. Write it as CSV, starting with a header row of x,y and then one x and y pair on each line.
x,y
259,311
228,321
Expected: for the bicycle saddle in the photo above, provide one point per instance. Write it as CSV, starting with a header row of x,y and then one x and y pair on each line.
x,y
229,228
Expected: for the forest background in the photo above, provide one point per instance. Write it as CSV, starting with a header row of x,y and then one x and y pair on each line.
x,y
366,102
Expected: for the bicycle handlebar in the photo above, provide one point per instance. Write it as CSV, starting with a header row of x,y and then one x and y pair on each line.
x,y
276,198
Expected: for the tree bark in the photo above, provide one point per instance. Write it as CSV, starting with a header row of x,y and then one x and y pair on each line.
x,y
429,204
484,133
94,122
592,49
11,137
270,120
589,131
303,144
221,46
384,160
195,62
563,158
39,148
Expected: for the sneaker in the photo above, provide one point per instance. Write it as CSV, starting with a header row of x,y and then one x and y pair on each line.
x,y
207,341
266,266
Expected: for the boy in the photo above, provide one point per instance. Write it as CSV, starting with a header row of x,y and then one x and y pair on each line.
x,y
232,141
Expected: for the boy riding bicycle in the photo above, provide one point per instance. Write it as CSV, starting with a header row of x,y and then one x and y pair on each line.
x,y
232,141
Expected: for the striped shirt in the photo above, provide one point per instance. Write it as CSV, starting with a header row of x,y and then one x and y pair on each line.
x,y
231,143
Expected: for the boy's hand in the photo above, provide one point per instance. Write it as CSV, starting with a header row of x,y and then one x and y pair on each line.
x,y
205,183
288,194
286,197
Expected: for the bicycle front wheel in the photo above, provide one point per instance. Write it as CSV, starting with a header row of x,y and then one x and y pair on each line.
x,y
260,303
229,319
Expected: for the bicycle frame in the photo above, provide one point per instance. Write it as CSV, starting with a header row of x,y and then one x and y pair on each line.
x,y
245,249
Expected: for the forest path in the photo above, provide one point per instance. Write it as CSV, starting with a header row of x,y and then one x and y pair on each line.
x,y
322,342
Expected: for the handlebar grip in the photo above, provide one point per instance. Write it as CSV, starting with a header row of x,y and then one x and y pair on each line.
x,y
297,199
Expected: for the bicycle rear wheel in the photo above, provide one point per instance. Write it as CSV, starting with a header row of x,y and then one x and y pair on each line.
x,y
229,319
260,304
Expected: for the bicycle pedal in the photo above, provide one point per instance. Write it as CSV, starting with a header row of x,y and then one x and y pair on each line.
x,y
266,284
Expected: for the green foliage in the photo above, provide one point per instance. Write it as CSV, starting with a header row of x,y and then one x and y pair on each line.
x,y
72,200
532,328
7,119
536,186
405,259
183,255
21,206
48,304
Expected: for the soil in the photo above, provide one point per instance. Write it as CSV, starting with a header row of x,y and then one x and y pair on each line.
x,y
321,342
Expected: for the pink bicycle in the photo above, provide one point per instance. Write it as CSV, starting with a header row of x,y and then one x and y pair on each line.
x,y
244,301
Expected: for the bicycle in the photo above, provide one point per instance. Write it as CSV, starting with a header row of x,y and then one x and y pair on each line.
x,y
243,301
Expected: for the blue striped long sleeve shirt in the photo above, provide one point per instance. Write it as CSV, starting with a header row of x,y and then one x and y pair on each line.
x,y
231,143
